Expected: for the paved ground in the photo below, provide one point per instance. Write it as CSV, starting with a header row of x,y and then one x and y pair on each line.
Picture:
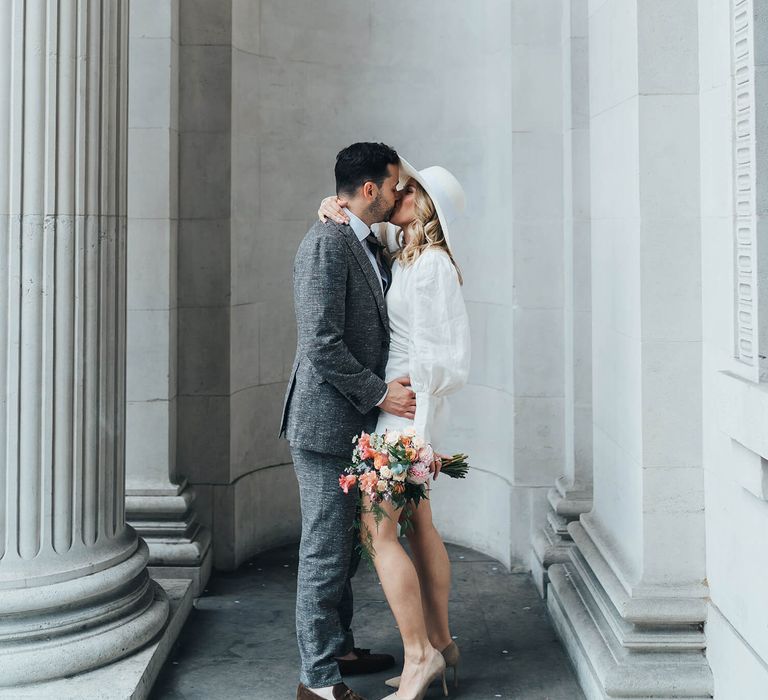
x,y
239,641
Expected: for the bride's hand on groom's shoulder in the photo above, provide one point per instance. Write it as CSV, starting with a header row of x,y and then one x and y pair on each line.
x,y
333,208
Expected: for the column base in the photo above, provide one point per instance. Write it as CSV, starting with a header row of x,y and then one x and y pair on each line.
x,y
635,655
131,678
197,575
62,629
549,547
179,546
552,543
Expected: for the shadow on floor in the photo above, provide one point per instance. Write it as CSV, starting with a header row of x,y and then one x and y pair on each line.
x,y
239,641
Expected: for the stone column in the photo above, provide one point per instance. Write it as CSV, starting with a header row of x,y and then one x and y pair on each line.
x,y
158,500
630,602
572,493
74,590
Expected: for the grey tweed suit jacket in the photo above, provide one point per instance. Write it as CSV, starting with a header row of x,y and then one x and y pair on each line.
x,y
343,343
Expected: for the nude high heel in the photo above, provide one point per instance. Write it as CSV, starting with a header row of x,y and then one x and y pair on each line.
x,y
452,657
437,671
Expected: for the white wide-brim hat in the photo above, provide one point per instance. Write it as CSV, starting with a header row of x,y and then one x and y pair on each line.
x,y
443,189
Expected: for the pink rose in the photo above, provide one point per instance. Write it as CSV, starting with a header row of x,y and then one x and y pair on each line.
x,y
426,456
418,473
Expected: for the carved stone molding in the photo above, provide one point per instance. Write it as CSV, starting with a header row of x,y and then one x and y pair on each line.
x,y
750,309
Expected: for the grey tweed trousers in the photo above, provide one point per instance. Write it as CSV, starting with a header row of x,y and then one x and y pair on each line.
x,y
327,561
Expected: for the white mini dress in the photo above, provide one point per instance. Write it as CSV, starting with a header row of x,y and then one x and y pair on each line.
x,y
429,340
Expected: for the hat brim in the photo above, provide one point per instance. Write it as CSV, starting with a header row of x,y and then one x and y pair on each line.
x,y
407,171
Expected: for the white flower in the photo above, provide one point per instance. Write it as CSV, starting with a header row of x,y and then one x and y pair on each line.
x,y
419,443
401,476
392,437
410,432
385,472
382,485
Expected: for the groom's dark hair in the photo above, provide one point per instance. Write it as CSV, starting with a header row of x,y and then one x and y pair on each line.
x,y
361,163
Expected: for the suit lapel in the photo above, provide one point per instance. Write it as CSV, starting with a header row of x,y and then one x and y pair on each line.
x,y
365,265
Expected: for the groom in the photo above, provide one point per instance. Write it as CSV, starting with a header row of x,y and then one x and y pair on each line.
x,y
335,392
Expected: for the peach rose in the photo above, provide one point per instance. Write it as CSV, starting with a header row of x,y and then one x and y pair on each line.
x,y
368,482
367,452
346,481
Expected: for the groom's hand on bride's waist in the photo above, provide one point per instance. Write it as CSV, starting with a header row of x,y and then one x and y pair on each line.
x,y
400,399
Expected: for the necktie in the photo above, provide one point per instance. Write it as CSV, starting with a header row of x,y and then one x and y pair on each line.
x,y
373,245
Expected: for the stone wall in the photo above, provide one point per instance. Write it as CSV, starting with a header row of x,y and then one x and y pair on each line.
x,y
270,91
231,362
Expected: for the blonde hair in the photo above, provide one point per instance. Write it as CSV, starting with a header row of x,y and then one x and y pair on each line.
x,y
425,231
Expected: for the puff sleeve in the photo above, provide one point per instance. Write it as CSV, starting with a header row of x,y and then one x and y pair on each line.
x,y
439,346
388,235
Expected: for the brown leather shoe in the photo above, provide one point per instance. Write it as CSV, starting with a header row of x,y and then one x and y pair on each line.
x,y
340,692
365,663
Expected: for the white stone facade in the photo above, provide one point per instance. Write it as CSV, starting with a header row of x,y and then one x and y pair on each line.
x,y
734,204
615,160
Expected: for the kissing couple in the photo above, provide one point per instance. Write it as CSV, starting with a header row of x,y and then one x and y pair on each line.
x,y
383,339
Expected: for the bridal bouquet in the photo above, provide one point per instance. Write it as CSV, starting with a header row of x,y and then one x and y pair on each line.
x,y
395,467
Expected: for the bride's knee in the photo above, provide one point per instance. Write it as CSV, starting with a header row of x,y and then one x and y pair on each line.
x,y
376,532
423,530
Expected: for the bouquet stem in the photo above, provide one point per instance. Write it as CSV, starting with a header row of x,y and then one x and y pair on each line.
x,y
456,467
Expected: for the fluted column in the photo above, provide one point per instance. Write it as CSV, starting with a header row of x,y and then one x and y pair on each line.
x,y
74,590
571,494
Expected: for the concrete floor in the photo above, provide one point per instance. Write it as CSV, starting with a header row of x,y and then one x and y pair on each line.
x,y
239,641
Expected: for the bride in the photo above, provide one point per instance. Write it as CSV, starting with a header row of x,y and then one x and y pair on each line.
x,y
430,344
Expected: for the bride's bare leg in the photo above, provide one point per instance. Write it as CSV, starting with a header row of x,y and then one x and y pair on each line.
x,y
401,586
434,569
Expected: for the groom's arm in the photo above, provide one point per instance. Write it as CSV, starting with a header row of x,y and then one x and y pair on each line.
x,y
320,288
